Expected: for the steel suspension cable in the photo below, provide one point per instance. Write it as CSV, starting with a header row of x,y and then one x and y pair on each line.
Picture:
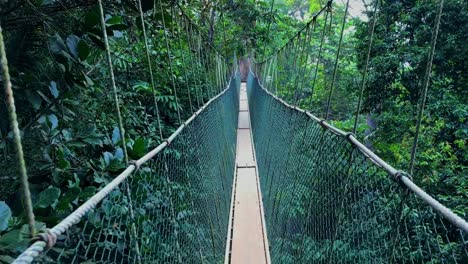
x,y
364,75
322,40
427,77
335,68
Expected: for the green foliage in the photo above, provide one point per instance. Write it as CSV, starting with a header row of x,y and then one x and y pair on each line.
x,y
67,113
48,197
5,215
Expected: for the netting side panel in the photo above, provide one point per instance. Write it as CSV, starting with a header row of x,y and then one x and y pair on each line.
x,y
326,202
180,201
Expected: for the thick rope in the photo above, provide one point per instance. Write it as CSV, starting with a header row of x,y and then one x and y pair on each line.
x,y
318,59
335,68
120,121
427,77
269,25
364,75
150,68
112,77
184,62
10,101
190,48
171,72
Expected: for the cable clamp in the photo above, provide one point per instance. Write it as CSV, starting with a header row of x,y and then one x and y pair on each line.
x,y
399,174
167,142
322,123
134,163
349,134
48,237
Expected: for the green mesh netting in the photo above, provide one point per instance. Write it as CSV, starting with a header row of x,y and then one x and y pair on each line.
x,y
326,202
180,199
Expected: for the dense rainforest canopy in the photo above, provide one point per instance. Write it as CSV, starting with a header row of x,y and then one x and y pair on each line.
x,y
66,110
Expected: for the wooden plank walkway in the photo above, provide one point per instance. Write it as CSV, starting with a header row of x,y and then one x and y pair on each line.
x,y
247,239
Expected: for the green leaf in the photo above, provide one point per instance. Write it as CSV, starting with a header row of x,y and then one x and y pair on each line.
x,y
142,86
63,163
68,197
114,20
108,157
57,46
34,99
48,197
53,89
12,239
89,81
116,23
115,135
83,50
93,141
6,259
138,149
53,121
72,44
39,226
92,18
119,154
5,215
117,33
87,192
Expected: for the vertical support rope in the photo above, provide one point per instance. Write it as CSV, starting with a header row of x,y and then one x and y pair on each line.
x,y
112,77
427,77
120,121
335,68
148,57
268,28
184,62
190,49
364,75
10,101
319,58
171,72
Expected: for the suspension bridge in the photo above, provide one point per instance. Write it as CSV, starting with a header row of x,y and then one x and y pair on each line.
x,y
250,177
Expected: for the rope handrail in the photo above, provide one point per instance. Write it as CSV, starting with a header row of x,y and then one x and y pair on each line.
x,y
40,246
397,174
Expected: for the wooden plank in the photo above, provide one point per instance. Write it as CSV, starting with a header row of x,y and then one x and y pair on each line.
x,y
243,87
248,242
243,105
244,120
245,157
243,95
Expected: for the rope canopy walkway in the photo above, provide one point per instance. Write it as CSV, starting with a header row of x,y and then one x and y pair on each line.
x,y
249,176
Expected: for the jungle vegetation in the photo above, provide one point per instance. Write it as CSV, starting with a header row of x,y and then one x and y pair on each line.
x,y
65,106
